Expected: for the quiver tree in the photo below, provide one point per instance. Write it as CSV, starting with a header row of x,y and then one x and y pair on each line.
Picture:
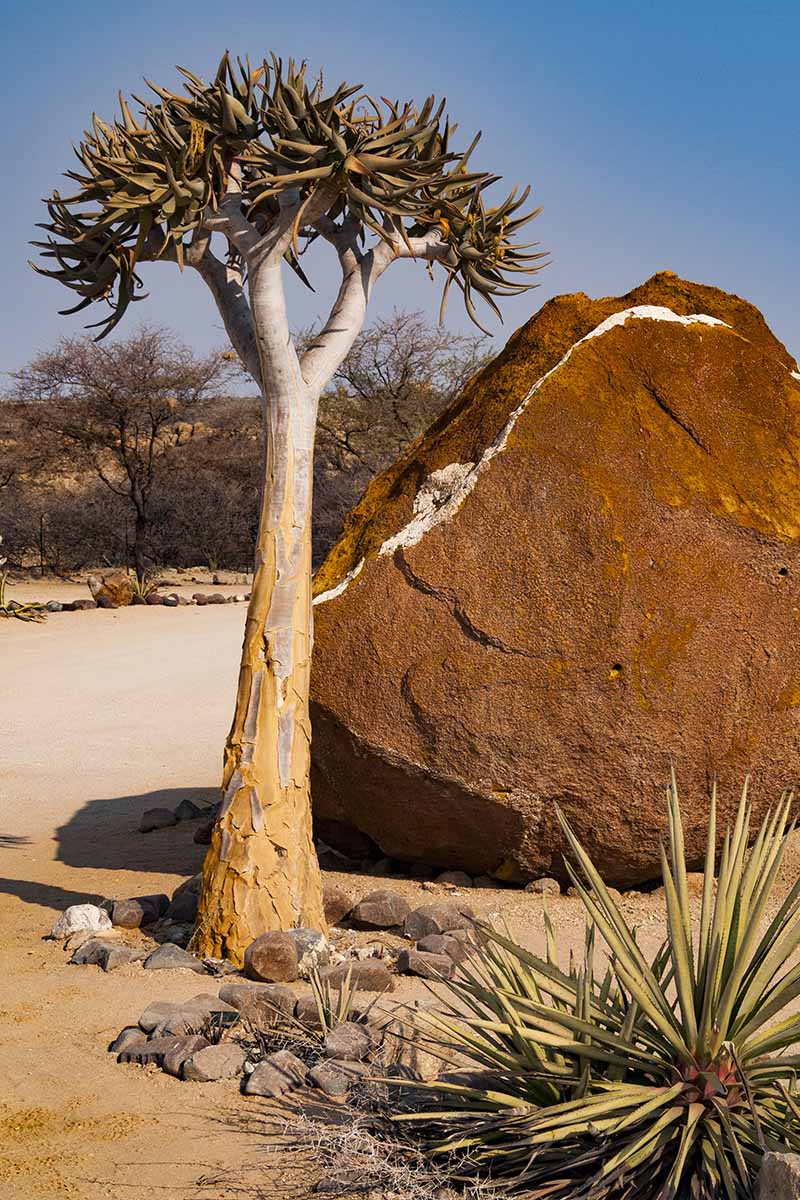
x,y
273,163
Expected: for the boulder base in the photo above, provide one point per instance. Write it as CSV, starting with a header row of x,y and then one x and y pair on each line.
x,y
589,564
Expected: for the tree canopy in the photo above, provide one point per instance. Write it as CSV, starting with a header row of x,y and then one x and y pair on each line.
x,y
255,144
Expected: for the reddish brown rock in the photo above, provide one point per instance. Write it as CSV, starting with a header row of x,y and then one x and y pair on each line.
x,y
588,564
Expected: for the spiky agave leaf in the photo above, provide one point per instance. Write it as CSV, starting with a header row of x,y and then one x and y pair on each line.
x,y
146,182
661,1078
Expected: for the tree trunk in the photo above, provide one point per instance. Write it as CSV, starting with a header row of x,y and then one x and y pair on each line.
x,y
261,871
139,542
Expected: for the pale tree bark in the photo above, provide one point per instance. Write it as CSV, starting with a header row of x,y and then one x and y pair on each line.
x,y
261,871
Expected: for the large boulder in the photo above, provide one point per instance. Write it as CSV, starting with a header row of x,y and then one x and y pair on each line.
x,y
589,564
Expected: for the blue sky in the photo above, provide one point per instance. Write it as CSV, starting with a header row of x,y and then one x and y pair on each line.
x,y
655,135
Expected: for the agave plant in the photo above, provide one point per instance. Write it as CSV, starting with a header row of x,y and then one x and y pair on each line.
x,y
655,1078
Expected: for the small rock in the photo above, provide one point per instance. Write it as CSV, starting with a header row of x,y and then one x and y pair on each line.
x,y
281,956
459,879
276,1075
131,1035
183,908
54,606
154,600
108,955
137,599
140,910
202,835
170,601
444,943
307,1012
337,903
187,810
178,934
170,958
335,1078
215,598
348,1040
425,964
223,1061
152,1051
371,975
544,886
156,1013
157,818
200,598
262,1004
779,1177
434,918
194,884
78,917
83,605
381,909
183,1049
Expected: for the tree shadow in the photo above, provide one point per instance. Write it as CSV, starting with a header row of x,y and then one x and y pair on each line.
x,y
104,834
45,895
9,840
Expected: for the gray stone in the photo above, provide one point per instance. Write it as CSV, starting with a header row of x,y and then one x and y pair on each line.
x,y
187,810
336,1077
434,918
424,964
200,598
191,1017
202,835
262,1004
152,1051
216,598
779,1177
78,917
276,1075
307,1012
154,600
196,1009
444,943
183,907
370,975
156,818
381,909
170,958
192,884
223,1061
348,1041
184,1048
131,1035
108,955
458,879
544,887
54,606
170,601
83,605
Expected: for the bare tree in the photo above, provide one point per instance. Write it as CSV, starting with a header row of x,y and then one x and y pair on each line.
x,y
118,406
272,163
400,374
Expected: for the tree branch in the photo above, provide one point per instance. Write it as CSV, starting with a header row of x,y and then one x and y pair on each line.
x,y
360,272
226,286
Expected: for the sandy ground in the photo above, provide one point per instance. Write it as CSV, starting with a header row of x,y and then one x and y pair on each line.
x,y
102,715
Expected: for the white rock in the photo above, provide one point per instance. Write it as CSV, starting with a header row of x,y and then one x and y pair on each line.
x,y
81,916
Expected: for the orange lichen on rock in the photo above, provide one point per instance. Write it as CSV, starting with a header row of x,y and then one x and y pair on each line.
x,y
603,576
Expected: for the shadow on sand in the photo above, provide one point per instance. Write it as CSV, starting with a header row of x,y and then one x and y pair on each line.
x,y
104,834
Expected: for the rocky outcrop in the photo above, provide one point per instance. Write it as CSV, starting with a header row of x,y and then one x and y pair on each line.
x,y
113,590
590,563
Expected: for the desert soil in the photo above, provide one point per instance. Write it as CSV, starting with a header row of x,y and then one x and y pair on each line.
x,y
104,714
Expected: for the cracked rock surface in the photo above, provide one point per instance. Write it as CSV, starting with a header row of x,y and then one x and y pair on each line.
x,y
590,563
